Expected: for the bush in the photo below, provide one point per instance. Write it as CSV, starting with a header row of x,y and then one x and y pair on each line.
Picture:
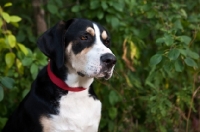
x,y
155,86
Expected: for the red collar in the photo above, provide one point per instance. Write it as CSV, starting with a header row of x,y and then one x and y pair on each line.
x,y
61,84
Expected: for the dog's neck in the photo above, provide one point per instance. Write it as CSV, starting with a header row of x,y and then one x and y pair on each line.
x,y
75,80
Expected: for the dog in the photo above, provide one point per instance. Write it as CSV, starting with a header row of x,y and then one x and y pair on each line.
x,y
62,98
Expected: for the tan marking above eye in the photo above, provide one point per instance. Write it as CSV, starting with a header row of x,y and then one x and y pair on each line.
x,y
91,31
104,35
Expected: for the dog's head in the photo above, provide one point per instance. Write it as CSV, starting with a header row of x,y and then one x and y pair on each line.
x,y
80,45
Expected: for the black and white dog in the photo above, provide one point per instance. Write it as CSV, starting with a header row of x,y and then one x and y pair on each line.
x,y
61,98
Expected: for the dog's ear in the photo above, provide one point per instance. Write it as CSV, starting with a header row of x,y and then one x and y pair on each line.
x,y
52,42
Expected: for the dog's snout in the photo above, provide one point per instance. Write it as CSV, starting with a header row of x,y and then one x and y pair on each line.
x,y
108,59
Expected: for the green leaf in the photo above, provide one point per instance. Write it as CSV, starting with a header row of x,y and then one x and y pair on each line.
x,y
6,17
113,98
25,92
153,110
103,123
8,4
23,48
155,59
75,8
183,52
168,40
52,8
151,14
34,70
7,82
118,6
185,39
104,5
15,19
168,66
1,23
1,93
173,54
19,66
162,111
10,59
3,44
100,15
114,22
94,4
183,13
179,66
190,62
160,40
11,40
178,25
192,54
27,61
112,113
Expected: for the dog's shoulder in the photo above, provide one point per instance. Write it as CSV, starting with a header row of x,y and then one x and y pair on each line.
x,y
43,99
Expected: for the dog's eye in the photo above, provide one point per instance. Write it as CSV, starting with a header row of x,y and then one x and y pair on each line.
x,y
84,37
107,41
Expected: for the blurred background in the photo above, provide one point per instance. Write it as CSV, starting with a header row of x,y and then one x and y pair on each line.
x,y
156,83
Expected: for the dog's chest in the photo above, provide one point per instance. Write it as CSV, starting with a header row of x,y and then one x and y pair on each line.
x,y
77,113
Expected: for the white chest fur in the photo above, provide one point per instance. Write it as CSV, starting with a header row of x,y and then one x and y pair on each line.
x,y
78,113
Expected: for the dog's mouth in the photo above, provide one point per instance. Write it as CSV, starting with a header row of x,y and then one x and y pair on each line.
x,y
107,75
103,73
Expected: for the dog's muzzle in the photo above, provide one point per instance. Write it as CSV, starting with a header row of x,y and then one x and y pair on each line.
x,y
108,61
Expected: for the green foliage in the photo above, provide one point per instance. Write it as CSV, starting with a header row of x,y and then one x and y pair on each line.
x,y
155,86
18,63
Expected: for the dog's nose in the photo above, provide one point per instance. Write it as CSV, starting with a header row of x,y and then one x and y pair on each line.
x,y
108,59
